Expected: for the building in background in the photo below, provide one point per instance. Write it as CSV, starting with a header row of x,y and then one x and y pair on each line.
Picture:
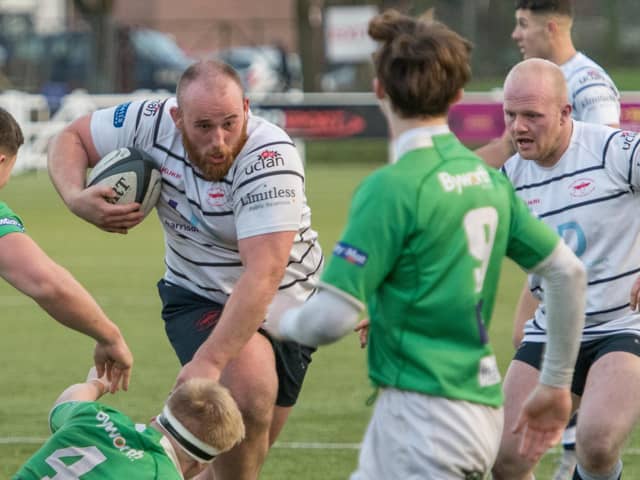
x,y
307,31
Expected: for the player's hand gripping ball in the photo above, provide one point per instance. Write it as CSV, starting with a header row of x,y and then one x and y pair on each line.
x,y
132,175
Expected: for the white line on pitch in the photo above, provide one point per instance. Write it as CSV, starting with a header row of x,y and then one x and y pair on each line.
x,y
317,445
18,440
285,445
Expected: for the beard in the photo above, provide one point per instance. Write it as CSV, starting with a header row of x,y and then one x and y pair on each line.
x,y
214,172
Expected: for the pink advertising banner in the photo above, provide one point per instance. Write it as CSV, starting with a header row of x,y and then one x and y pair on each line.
x,y
479,122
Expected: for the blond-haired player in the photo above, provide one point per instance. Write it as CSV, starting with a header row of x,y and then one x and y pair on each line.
x,y
90,440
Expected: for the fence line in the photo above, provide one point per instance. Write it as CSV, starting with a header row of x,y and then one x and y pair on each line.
x,y
476,120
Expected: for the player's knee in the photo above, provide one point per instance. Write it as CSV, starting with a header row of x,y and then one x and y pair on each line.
x,y
257,412
257,420
597,453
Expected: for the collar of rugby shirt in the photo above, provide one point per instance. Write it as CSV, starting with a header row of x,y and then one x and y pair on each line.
x,y
415,138
171,453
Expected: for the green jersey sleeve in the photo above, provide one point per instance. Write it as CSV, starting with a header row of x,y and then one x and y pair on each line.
x,y
9,221
373,238
60,414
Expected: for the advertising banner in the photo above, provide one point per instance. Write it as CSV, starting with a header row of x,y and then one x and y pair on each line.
x,y
474,122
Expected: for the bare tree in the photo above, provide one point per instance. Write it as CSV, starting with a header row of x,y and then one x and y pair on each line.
x,y
102,66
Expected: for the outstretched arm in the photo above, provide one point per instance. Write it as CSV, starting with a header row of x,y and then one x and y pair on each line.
x,y
94,387
325,318
265,259
29,269
546,412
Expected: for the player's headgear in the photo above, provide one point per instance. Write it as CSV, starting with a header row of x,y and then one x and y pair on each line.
x,y
192,445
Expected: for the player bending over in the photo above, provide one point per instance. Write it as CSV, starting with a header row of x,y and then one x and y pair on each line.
x,y
93,441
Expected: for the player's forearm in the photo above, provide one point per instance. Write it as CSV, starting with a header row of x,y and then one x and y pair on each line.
x,y
89,391
26,267
565,297
324,318
70,304
243,314
67,163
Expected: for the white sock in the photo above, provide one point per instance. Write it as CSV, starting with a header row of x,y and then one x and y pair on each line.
x,y
613,475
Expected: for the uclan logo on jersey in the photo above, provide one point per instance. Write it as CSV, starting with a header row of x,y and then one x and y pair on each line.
x,y
590,75
582,187
627,139
266,159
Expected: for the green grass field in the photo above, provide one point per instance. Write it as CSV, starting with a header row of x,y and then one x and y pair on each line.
x,y
39,357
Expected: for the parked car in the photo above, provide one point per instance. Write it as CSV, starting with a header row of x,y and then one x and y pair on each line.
x,y
341,78
55,64
264,68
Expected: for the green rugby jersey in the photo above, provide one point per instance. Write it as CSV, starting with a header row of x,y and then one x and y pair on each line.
x,y
9,221
423,248
91,441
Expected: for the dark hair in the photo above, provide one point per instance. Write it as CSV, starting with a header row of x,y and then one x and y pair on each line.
x,y
561,7
421,64
206,67
10,133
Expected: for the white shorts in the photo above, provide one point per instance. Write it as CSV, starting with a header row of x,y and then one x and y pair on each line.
x,y
412,436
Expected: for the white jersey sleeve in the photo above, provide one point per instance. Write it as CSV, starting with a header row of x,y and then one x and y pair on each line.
x,y
623,158
268,185
125,125
592,93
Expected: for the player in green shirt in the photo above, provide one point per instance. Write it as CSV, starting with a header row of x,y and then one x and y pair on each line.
x,y
423,248
29,269
93,441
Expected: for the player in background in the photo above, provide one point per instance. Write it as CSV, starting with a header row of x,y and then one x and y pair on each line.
x,y
581,179
238,239
91,440
423,247
543,30
29,269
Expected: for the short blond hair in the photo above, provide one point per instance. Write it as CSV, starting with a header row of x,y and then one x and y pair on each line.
x,y
209,412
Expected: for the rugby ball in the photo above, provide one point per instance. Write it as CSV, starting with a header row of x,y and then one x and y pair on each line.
x,y
132,175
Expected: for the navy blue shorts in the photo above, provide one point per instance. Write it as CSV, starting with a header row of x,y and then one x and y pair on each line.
x,y
190,318
531,353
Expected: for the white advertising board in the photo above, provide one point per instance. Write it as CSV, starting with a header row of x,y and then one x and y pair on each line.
x,y
346,38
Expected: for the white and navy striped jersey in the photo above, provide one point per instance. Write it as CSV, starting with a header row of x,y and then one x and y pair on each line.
x,y
592,94
263,192
591,196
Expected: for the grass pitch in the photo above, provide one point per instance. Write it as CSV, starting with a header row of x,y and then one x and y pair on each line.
x,y
40,358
